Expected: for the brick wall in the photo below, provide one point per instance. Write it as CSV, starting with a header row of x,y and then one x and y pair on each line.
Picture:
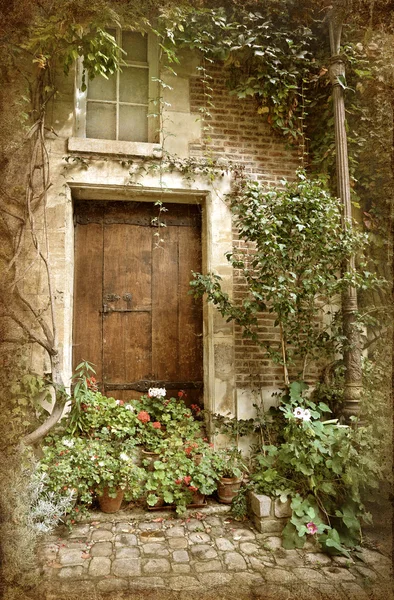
x,y
237,133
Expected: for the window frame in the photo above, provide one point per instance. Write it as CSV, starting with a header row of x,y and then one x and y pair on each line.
x,y
80,142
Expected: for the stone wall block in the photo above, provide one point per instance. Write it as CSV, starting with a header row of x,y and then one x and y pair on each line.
x,y
269,525
282,509
260,505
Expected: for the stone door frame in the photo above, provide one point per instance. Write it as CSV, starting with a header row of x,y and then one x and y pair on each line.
x,y
218,336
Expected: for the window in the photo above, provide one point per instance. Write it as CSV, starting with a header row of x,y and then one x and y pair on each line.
x,y
117,108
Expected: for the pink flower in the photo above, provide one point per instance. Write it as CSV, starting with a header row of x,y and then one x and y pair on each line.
x,y
187,479
311,527
193,488
156,425
143,416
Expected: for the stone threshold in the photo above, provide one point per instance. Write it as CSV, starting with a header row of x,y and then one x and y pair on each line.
x,y
136,513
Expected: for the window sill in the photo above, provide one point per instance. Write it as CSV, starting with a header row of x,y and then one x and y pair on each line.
x,y
91,145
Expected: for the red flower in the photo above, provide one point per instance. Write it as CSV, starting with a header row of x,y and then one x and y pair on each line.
x,y
156,425
178,481
181,394
193,488
196,408
91,382
211,445
143,416
187,479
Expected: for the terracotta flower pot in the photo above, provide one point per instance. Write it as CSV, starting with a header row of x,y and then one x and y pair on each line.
x,y
197,500
151,456
197,459
228,487
108,504
159,504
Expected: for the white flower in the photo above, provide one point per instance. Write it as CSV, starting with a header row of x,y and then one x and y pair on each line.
x,y
101,463
68,443
307,415
157,392
298,412
129,407
124,456
117,402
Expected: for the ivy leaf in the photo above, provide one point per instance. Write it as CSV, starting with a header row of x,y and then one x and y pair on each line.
x,y
291,539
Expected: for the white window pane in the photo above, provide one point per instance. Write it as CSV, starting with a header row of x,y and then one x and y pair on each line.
x,y
101,121
100,88
136,46
134,85
133,123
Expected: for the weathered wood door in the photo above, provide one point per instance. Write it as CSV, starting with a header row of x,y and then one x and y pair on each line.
x,y
133,316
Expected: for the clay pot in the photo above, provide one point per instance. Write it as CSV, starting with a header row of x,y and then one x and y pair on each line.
x,y
197,500
228,487
151,456
108,504
197,459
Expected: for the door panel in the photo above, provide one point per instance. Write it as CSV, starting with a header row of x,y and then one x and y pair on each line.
x,y
165,340
88,296
133,316
190,330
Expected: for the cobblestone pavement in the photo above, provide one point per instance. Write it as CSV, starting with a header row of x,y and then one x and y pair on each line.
x,y
206,555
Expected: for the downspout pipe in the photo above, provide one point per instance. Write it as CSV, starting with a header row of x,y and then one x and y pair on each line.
x,y
352,349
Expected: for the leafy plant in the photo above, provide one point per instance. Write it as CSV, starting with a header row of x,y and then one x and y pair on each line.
x,y
324,467
294,270
230,463
86,466
177,475
47,507
163,417
25,403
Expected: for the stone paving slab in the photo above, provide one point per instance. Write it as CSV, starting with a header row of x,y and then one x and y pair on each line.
x,y
205,556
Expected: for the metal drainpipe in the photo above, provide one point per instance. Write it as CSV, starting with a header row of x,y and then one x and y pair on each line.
x,y
352,350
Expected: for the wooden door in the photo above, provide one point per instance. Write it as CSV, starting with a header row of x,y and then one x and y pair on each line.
x,y
133,316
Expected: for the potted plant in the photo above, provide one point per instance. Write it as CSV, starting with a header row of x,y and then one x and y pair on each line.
x,y
100,466
231,466
170,413
178,479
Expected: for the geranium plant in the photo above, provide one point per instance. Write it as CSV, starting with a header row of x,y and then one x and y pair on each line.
x,y
178,475
158,417
87,466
